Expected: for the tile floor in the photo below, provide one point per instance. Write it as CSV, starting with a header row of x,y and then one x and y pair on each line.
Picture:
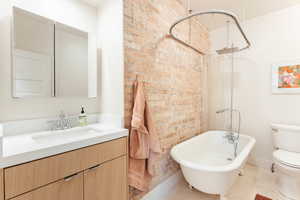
x,y
254,181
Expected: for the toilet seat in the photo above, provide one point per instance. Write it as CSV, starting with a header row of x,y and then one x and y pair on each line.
x,y
289,159
286,166
287,171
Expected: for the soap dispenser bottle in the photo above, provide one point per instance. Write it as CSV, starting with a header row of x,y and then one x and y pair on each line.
x,y
83,117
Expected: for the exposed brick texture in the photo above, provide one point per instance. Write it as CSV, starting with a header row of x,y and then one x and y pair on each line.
x,y
174,75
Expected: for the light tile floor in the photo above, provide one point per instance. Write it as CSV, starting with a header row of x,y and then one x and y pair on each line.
x,y
254,181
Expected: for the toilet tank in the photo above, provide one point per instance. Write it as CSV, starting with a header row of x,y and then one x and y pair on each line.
x,y
286,137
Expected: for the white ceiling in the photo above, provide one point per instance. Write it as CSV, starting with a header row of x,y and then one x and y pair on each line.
x,y
244,9
94,3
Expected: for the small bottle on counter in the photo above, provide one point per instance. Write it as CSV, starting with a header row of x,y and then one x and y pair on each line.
x,y
83,118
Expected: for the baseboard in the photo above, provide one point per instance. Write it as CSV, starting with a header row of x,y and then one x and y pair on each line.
x,y
164,188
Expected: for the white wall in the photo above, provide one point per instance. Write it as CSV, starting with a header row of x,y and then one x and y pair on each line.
x,y
70,12
275,37
110,32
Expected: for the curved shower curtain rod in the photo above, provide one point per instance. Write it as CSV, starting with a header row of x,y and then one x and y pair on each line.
x,y
221,12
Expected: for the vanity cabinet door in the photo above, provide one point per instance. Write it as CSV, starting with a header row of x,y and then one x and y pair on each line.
x,y
1,185
107,181
67,189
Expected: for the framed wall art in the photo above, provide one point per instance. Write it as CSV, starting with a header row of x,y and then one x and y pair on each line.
x,y
286,77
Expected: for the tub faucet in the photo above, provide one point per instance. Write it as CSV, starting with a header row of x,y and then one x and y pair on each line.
x,y
231,138
230,135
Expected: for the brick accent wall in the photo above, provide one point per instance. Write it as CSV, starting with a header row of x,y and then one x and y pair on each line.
x,y
174,75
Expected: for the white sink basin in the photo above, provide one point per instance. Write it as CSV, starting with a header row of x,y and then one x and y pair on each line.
x,y
66,134
24,148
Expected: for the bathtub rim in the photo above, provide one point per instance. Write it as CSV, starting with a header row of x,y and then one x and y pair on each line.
x,y
236,164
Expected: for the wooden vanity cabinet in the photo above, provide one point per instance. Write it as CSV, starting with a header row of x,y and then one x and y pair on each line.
x,y
70,188
107,181
92,173
26,177
1,185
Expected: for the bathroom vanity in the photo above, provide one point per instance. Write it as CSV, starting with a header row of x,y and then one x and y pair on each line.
x,y
54,63
82,167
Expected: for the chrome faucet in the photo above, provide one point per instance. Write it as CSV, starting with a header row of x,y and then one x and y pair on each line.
x,y
63,123
230,136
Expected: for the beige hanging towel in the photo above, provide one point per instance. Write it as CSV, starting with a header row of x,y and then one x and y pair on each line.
x,y
144,146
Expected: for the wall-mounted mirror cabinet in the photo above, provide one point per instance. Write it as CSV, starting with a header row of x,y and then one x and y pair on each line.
x,y
50,59
71,61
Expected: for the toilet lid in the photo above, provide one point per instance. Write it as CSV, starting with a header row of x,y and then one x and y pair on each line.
x,y
287,158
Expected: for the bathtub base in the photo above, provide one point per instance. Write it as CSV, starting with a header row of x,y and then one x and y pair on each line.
x,y
210,182
205,163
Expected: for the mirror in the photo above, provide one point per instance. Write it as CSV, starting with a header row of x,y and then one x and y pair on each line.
x,y
71,61
49,58
33,55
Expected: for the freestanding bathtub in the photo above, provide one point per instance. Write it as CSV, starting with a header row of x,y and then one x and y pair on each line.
x,y
207,161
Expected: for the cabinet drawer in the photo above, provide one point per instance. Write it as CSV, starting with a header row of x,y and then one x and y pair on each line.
x,y
98,154
68,189
26,177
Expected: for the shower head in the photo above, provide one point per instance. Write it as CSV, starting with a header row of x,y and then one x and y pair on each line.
x,y
227,50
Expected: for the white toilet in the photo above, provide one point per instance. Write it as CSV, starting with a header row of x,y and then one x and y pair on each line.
x,y
286,158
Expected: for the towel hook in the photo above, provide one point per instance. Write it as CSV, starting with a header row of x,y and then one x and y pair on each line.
x,y
137,77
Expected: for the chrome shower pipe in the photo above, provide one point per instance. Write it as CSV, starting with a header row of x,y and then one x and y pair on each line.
x,y
232,110
220,12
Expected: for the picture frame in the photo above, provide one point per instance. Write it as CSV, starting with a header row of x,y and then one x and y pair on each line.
x,y
286,77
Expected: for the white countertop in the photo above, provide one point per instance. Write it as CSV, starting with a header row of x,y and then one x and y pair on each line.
x,y
28,147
